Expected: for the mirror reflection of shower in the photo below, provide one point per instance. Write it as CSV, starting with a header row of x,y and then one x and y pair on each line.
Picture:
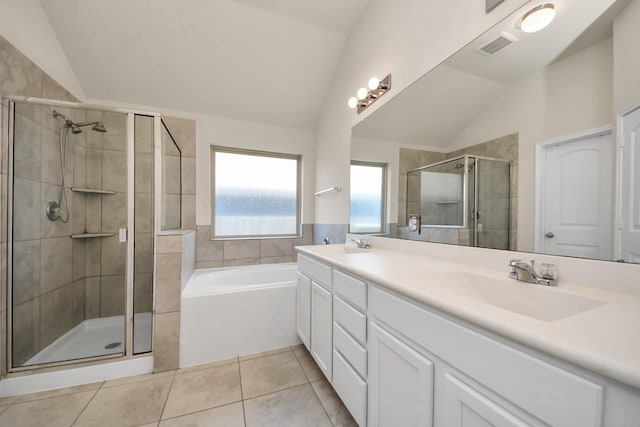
x,y
54,209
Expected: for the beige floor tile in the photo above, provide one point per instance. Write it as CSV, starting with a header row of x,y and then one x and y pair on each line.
x,y
270,373
8,400
206,366
3,408
149,425
204,389
58,392
127,405
223,416
264,353
309,365
338,414
137,379
53,412
294,407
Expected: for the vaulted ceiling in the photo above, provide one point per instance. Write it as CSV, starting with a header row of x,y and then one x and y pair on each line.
x,y
264,61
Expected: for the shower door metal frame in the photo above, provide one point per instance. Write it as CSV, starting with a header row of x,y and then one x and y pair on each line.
x,y
465,190
8,118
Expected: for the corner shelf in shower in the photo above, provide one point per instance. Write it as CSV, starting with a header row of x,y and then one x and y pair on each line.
x,y
91,235
91,191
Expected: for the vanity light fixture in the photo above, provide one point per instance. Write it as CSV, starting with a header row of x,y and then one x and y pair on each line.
x,y
538,18
365,97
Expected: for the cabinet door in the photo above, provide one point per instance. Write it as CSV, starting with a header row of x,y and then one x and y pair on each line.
x,y
303,309
321,328
400,382
463,406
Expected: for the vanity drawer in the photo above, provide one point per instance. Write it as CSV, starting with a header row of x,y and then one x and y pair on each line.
x,y
351,388
353,352
351,289
351,320
317,271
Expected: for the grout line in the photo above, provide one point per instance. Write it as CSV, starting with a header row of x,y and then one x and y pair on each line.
x,y
244,415
199,411
322,404
166,399
88,403
300,364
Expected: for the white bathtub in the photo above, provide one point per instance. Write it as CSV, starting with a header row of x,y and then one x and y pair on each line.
x,y
228,312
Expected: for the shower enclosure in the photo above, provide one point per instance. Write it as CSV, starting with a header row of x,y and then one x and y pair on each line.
x,y
82,218
468,196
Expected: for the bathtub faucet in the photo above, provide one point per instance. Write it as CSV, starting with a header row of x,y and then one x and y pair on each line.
x,y
362,243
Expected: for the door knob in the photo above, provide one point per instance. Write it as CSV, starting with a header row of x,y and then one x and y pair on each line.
x,y
549,235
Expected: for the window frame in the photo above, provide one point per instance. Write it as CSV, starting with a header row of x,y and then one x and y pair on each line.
x,y
258,153
383,202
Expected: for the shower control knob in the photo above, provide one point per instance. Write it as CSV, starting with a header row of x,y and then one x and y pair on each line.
x,y
549,235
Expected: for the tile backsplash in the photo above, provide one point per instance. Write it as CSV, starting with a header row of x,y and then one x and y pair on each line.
x,y
229,253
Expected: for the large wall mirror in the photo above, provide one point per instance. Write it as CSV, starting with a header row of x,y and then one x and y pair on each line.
x,y
552,106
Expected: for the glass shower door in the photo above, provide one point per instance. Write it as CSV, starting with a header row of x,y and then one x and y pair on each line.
x,y
68,181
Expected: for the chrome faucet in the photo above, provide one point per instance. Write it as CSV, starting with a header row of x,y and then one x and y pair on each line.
x,y
521,270
362,243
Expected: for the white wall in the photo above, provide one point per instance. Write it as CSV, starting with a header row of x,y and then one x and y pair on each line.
x,y
406,38
569,96
26,26
626,35
251,136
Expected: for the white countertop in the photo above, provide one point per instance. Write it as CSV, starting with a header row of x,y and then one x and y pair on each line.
x,y
604,339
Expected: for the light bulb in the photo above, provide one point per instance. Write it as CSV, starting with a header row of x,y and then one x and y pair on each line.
x,y
538,18
353,101
362,93
374,82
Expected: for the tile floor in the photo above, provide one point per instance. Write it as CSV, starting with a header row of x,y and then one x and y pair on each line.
x,y
278,388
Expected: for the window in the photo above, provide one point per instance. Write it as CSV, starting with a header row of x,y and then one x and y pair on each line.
x,y
368,189
254,194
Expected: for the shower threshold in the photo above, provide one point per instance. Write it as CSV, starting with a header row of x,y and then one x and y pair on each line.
x,y
96,337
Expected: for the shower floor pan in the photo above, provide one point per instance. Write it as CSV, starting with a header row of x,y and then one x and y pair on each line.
x,y
96,337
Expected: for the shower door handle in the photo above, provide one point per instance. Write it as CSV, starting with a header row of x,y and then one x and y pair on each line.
x,y
549,235
122,235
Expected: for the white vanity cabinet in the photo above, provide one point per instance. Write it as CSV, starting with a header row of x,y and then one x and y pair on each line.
x,y
318,309
400,382
397,362
350,343
303,309
514,387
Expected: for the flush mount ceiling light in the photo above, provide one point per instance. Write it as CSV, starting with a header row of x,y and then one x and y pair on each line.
x,y
538,18
365,97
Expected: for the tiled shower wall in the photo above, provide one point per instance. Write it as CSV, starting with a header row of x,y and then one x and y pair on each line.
x,y
21,77
501,148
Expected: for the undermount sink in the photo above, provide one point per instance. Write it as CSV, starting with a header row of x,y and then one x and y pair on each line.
x,y
535,301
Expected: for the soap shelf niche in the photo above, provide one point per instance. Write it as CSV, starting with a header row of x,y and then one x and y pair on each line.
x,y
91,191
91,235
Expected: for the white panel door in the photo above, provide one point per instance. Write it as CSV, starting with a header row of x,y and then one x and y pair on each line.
x,y
629,188
400,383
463,406
577,184
303,309
322,328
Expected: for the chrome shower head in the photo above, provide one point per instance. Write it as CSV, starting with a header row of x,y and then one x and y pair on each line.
x,y
99,127
74,128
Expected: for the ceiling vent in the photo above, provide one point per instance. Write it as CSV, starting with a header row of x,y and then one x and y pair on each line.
x,y
502,41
